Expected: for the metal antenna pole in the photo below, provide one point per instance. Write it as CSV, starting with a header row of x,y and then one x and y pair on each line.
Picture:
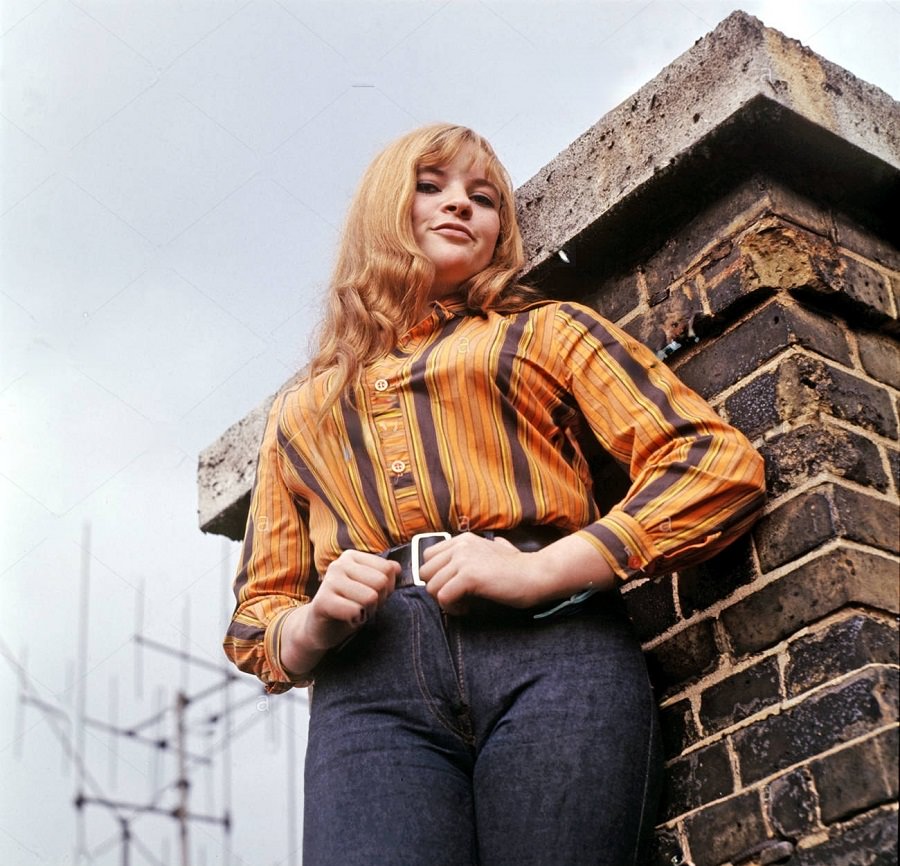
x,y
181,812
81,675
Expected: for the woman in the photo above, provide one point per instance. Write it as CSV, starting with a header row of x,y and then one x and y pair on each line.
x,y
424,544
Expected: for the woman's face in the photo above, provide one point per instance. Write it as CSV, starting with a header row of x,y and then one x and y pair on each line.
x,y
456,220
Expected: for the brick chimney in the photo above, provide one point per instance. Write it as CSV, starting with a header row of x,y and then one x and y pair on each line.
x,y
740,214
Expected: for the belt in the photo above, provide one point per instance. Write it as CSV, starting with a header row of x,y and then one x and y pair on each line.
x,y
527,538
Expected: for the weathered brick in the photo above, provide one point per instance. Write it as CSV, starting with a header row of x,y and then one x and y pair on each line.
x,y
785,257
684,656
857,777
755,408
806,386
818,587
616,297
855,286
761,336
822,721
665,848
840,648
880,357
795,528
809,450
818,515
740,695
852,236
651,606
810,383
866,519
870,841
711,581
678,728
792,803
671,318
728,293
696,778
723,830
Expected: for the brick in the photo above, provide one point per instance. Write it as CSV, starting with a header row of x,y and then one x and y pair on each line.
x,y
819,723
755,408
880,357
798,526
866,519
740,695
840,648
792,803
866,288
728,294
684,656
807,383
812,449
761,336
784,257
857,777
672,318
854,286
651,606
723,830
678,728
696,778
870,841
820,586
806,386
703,585
852,236
665,848
616,297
829,511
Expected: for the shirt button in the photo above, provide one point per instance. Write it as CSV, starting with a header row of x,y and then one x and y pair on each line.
x,y
381,384
398,466
634,562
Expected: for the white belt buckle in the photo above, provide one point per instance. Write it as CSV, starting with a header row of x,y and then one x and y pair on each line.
x,y
414,543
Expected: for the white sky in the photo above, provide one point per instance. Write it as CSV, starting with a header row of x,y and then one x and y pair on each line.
x,y
173,176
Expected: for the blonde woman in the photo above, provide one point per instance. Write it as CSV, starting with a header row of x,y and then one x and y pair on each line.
x,y
423,541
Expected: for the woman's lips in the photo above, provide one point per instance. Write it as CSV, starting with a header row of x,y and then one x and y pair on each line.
x,y
454,229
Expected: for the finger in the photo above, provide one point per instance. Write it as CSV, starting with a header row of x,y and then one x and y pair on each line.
x,y
433,562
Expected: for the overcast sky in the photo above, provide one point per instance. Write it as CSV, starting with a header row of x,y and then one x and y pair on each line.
x,y
174,173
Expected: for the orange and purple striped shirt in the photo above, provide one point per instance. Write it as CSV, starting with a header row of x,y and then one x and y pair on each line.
x,y
483,421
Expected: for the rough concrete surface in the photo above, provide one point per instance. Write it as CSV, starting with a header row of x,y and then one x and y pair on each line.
x,y
724,73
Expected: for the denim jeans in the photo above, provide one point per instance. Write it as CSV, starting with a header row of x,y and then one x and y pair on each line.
x,y
486,739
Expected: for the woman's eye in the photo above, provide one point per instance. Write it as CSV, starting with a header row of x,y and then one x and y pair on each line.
x,y
484,200
426,186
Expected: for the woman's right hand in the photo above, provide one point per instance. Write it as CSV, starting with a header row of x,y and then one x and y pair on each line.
x,y
354,586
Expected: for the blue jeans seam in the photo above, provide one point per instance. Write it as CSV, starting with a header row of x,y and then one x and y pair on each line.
x,y
431,702
647,761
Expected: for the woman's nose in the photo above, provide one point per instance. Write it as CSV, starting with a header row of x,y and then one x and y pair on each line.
x,y
457,202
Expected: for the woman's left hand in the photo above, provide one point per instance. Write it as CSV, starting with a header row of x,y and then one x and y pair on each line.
x,y
468,565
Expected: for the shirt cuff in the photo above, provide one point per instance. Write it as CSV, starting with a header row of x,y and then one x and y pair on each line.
x,y
279,680
624,543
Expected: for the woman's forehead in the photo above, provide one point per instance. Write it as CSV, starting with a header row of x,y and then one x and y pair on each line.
x,y
469,157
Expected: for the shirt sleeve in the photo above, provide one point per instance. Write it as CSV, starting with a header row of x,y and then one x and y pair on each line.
x,y
696,482
275,566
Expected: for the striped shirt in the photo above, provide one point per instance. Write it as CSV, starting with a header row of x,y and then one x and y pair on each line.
x,y
483,421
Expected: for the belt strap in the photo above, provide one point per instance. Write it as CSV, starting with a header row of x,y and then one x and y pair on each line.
x,y
526,538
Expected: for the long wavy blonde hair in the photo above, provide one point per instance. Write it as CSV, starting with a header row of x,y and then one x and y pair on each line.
x,y
381,275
